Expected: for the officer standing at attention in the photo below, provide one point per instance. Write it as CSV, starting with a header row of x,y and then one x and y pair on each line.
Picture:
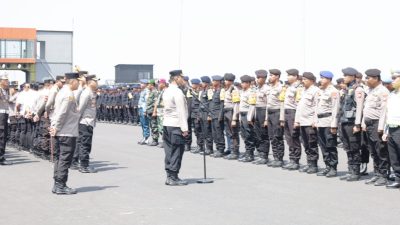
x,y
291,96
87,109
195,115
12,113
150,105
231,100
258,114
189,98
352,103
216,114
205,97
327,111
247,98
275,130
392,129
4,98
373,124
144,121
304,119
175,127
158,111
64,127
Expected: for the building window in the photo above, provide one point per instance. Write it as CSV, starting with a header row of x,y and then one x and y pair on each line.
x,y
2,48
40,50
16,49
144,75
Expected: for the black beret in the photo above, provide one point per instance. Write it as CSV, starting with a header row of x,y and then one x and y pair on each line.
x,y
83,72
217,78
309,76
261,73
373,73
72,75
359,75
253,79
275,72
92,77
340,80
205,79
246,78
175,73
293,72
229,76
349,71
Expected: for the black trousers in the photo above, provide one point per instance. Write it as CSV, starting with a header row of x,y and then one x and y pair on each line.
x,y
292,135
13,130
364,148
64,150
232,133
3,134
328,143
394,149
248,134
174,147
351,144
188,138
85,144
377,148
276,134
218,134
198,133
310,142
261,132
206,130
22,136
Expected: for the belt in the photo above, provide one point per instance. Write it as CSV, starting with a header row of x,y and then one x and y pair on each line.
x,y
287,111
370,122
273,110
4,111
323,115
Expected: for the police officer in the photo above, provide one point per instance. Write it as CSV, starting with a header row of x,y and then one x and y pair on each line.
x,y
373,124
216,115
304,119
290,96
352,103
189,98
205,96
195,115
87,111
64,127
275,130
327,111
231,100
158,111
4,99
150,105
125,105
392,129
258,117
12,113
175,128
247,98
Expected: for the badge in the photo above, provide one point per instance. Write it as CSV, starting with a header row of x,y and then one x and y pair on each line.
x,y
235,96
222,95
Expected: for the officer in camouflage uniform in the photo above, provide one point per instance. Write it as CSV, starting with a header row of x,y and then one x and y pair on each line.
x,y
216,114
150,105
352,103
231,101
158,111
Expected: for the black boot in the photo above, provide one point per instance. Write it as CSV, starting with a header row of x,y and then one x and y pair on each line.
x,y
348,174
395,184
62,189
233,156
324,172
218,154
332,172
74,165
262,160
313,167
355,173
278,163
305,168
294,165
153,143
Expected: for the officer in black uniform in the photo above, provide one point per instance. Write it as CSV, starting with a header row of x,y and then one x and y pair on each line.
x,y
189,97
195,116
205,120
4,98
216,114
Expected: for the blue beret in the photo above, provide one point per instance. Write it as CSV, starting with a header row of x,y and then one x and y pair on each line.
x,y
349,71
205,79
195,81
217,77
144,81
326,74
186,78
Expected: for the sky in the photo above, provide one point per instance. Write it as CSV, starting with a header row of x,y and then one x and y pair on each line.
x,y
213,37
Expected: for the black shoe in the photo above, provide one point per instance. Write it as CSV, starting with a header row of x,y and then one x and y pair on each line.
x,y
247,159
324,172
312,170
277,164
209,152
154,143
175,182
285,167
218,155
353,177
87,169
294,166
4,162
394,185
74,166
232,156
372,180
64,191
271,162
345,177
260,161
382,181
332,173
304,169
